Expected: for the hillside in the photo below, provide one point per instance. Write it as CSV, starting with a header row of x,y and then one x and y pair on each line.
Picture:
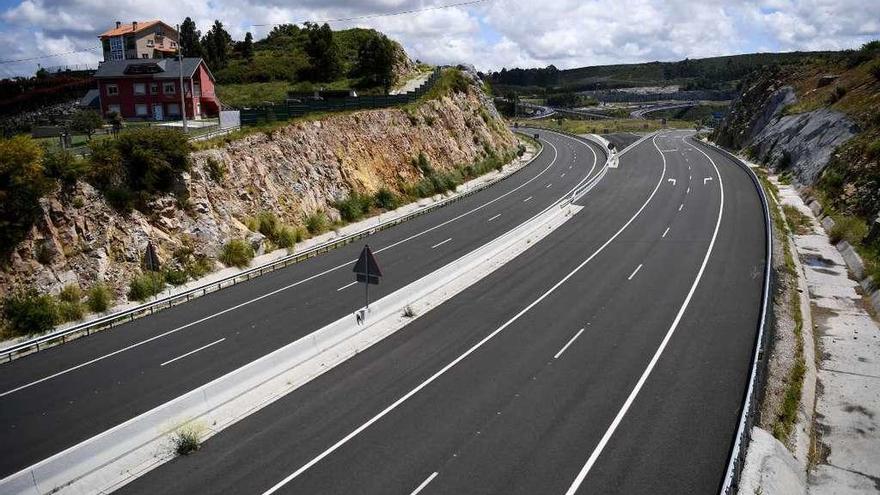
x,y
294,58
87,223
817,123
721,73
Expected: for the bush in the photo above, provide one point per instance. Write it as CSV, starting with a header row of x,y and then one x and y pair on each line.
x,y
849,229
176,277
27,312
145,285
316,222
99,298
199,266
70,306
875,70
237,252
353,207
22,183
422,163
386,199
216,169
187,439
64,166
286,238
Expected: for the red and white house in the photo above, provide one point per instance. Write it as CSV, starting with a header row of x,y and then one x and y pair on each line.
x,y
149,89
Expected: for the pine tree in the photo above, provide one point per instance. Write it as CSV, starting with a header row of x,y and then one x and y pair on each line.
x,y
247,47
189,39
323,52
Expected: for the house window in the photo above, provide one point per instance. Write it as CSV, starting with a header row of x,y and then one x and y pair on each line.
x,y
154,88
140,109
113,109
169,89
145,55
112,90
173,44
140,89
174,109
150,43
130,43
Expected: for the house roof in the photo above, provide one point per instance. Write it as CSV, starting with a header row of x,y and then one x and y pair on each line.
x,y
90,99
164,68
128,28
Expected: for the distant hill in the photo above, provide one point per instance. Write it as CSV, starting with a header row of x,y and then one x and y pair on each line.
x,y
707,73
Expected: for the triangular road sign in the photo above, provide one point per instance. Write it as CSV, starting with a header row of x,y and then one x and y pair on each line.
x,y
366,268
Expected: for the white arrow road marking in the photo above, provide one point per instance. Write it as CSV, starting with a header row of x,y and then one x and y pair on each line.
x,y
705,180
672,180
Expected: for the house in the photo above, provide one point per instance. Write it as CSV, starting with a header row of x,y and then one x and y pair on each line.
x,y
138,40
150,89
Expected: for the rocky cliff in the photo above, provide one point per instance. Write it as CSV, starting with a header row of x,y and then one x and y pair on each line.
x,y
291,171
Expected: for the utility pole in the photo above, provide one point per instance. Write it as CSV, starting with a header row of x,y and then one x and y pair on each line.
x,y
182,91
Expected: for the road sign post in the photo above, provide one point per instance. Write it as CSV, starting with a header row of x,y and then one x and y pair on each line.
x,y
367,271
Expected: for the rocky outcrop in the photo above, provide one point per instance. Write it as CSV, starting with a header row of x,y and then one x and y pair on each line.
x,y
291,171
758,123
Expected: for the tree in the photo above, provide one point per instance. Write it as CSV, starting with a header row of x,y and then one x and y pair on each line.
x,y
86,122
375,63
323,52
189,39
22,183
216,44
247,47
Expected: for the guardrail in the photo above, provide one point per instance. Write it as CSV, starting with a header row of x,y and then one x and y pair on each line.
x,y
738,450
109,321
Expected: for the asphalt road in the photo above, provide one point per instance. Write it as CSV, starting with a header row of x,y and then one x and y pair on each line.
x,y
611,357
56,398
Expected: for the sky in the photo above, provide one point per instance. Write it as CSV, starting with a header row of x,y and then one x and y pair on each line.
x,y
489,34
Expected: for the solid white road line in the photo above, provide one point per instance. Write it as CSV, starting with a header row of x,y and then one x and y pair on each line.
x,y
665,232
424,483
441,243
346,286
493,218
468,352
633,274
282,289
192,352
527,199
568,344
635,391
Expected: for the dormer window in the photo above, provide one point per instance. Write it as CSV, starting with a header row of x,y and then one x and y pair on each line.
x,y
150,43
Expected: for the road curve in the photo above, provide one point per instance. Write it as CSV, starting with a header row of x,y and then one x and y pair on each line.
x,y
611,357
56,398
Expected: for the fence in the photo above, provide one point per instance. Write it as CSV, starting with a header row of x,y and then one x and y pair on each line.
x,y
291,109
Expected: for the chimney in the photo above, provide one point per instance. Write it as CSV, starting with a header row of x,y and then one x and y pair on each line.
x,y
118,24
134,25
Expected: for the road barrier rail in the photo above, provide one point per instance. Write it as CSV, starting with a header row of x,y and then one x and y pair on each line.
x,y
35,344
754,390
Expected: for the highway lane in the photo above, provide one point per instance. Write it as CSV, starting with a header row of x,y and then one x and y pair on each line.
x,y
108,381
509,388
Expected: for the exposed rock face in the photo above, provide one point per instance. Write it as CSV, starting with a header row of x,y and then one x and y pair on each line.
x,y
292,171
804,141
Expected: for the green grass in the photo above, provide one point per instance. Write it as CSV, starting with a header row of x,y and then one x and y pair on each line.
x,y
237,252
253,94
145,285
799,222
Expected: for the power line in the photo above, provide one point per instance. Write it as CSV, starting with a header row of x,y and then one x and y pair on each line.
x,y
387,14
38,57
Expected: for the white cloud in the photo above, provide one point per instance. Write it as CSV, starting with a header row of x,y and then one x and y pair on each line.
x,y
491,35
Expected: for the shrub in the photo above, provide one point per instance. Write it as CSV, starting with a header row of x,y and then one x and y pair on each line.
x,y
849,229
286,237
176,277
70,306
237,252
216,169
386,199
429,120
199,266
64,166
99,298
267,224
22,183
422,163
27,312
86,122
353,207
145,285
316,222
187,439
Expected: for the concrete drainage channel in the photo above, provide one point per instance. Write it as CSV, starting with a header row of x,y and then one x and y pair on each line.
x,y
115,457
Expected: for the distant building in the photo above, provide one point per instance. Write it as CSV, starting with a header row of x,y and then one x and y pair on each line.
x,y
139,40
150,89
